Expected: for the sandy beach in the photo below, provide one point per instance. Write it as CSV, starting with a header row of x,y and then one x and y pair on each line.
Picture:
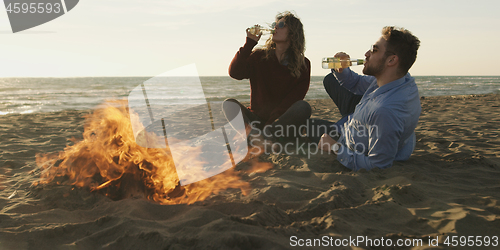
x,y
449,187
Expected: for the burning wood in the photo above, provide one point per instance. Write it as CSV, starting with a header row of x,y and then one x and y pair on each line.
x,y
108,160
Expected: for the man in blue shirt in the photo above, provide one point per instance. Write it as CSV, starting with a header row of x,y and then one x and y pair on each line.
x,y
380,109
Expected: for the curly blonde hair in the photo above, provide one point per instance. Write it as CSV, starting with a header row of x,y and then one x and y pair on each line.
x,y
295,53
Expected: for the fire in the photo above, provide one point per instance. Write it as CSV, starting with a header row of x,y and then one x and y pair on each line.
x,y
108,160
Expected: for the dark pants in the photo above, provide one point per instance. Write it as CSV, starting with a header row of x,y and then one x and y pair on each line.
x,y
346,102
293,118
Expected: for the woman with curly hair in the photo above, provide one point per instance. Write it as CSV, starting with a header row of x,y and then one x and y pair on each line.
x,y
279,76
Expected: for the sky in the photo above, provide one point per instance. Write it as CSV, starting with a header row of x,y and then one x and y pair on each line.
x,y
150,37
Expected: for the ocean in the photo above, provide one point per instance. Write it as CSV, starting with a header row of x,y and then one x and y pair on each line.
x,y
31,95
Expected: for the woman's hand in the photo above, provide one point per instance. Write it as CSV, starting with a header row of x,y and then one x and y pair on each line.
x,y
252,36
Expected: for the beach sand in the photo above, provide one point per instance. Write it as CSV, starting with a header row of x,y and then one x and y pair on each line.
x,y
449,187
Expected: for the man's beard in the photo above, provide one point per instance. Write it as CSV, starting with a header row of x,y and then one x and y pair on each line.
x,y
375,70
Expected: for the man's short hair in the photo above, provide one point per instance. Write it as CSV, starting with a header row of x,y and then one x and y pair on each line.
x,y
404,44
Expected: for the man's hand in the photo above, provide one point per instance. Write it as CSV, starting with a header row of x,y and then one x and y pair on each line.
x,y
326,142
252,36
342,56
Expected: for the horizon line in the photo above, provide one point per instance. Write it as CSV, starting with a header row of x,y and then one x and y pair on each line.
x,y
2,77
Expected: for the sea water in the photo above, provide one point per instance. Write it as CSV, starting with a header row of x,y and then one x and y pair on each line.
x,y
31,95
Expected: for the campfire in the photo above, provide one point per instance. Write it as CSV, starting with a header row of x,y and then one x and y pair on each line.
x,y
109,161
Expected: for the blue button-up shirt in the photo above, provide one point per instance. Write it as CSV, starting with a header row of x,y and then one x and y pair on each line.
x,y
382,127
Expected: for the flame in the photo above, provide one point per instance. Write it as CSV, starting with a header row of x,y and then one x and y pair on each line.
x,y
108,160
259,167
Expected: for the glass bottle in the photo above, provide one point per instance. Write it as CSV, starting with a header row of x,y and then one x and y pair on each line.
x,y
256,29
337,63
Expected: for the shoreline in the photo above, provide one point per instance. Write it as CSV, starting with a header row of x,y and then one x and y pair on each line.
x,y
448,97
